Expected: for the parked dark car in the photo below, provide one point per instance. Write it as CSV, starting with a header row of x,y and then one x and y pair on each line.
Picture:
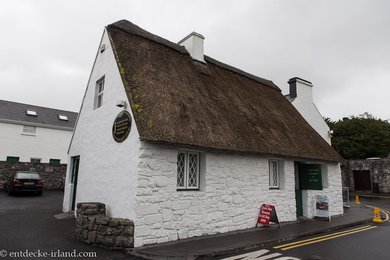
x,y
23,181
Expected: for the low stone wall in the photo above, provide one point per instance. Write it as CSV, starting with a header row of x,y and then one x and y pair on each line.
x,y
53,175
379,172
95,228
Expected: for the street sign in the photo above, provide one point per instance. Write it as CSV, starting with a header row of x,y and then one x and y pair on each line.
x,y
267,214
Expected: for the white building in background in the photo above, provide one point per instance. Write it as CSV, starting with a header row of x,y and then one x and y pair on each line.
x,y
31,133
185,145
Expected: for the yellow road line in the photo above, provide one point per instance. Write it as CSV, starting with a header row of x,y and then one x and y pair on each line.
x,y
327,238
315,238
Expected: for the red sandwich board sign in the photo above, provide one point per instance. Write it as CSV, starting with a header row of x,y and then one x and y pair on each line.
x,y
267,214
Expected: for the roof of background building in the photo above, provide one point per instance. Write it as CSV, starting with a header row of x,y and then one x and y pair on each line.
x,y
12,112
177,100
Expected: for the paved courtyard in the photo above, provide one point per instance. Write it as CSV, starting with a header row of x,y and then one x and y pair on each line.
x,y
27,224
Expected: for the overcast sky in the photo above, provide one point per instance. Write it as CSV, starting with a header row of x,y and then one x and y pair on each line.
x,y
342,47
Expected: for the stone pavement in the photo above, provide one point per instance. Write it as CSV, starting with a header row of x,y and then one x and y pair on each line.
x,y
215,246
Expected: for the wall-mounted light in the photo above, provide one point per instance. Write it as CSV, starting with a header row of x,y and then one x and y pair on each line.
x,y
102,48
330,133
121,104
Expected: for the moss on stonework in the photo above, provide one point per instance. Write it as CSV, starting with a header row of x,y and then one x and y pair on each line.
x,y
136,107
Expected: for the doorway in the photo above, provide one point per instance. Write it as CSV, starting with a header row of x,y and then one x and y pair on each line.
x,y
298,191
75,162
362,180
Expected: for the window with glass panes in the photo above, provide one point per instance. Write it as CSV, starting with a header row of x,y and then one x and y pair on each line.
x,y
187,170
99,93
273,174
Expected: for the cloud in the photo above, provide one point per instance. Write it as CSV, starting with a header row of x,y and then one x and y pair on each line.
x,y
343,47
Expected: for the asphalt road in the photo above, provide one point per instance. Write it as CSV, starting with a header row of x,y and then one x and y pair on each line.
x,y
27,222
370,241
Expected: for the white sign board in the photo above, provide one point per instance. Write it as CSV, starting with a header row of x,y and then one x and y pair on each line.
x,y
321,207
345,197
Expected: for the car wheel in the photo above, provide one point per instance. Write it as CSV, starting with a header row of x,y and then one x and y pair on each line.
x,y
39,193
9,192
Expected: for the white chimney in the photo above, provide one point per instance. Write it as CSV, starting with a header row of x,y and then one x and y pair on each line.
x,y
194,45
301,97
301,89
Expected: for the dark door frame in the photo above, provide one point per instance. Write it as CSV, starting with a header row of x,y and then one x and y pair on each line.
x,y
298,191
75,162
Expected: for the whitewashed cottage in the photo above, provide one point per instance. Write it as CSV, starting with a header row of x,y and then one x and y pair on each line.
x,y
208,143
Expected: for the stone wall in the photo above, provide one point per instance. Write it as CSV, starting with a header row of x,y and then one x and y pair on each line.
x,y
52,174
379,170
232,188
95,228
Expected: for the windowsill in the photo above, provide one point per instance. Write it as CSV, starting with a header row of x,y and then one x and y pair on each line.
x,y
187,189
28,134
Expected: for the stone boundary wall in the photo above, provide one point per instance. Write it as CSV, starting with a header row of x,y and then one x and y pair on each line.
x,y
95,228
53,175
379,170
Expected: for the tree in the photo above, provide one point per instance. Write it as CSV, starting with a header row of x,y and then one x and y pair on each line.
x,y
360,137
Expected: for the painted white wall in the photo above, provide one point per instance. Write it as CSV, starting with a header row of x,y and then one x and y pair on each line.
x,y
46,144
233,187
108,170
306,107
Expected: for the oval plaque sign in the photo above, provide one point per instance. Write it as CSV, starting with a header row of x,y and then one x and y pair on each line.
x,y
122,126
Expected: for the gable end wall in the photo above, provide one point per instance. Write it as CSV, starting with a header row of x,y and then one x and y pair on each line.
x,y
108,170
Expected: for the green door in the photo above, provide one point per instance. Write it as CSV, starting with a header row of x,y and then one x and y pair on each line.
x,y
298,201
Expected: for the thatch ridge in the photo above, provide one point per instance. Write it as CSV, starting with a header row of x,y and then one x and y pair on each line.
x,y
176,100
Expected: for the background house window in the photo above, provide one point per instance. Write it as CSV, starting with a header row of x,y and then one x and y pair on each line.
x,y
35,160
29,130
63,117
99,93
54,161
187,171
12,159
31,112
274,178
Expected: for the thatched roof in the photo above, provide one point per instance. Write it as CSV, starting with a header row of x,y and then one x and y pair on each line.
x,y
180,101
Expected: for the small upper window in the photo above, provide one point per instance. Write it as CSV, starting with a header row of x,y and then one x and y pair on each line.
x,y
55,161
274,174
29,130
35,160
187,171
31,112
63,117
12,159
99,93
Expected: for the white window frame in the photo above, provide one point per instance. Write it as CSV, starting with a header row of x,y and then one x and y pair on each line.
x,y
99,92
29,130
63,117
186,185
30,112
271,174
